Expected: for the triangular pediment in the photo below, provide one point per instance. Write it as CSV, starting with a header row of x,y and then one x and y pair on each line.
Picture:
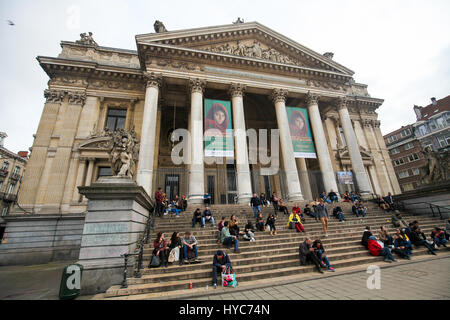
x,y
365,154
248,40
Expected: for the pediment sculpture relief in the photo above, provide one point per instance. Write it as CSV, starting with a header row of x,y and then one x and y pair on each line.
x,y
254,50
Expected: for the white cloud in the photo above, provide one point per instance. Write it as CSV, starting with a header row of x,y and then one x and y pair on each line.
x,y
401,49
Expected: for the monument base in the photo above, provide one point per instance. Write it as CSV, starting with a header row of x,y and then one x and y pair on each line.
x,y
116,216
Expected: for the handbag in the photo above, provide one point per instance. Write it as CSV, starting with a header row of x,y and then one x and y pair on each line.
x,y
173,255
229,278
291,225
155,262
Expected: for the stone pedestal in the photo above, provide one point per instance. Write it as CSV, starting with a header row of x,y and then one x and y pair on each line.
x,y
116,216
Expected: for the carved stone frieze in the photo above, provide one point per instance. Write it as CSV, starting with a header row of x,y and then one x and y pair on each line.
x,y
175,64
254,50
326,85
76,97
54,96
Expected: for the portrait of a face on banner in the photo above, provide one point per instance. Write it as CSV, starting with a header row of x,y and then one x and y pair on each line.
x,y
300,130
218,129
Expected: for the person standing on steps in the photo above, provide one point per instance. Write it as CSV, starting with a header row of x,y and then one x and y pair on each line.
x,y
271,223
323,215
158,200
274,200
221,261
306,253
160,246
227,239
256,203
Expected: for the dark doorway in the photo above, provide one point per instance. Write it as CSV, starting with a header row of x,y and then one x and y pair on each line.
x,y
172,186
211,188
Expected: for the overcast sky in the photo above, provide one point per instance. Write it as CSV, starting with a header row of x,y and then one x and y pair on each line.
x,y
401,49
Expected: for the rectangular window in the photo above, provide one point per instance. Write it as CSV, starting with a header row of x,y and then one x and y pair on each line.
x,y
341,132
413,157
409,145
403,174
16,170
395,151
405,133
116,119
415,171
11,188
5,165
440,122
399,162
442,142
423,130
1,185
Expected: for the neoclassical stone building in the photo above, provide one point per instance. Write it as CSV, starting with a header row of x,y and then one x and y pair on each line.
x,y
161,87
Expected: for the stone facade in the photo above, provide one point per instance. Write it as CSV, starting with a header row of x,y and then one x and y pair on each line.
x,y
161,87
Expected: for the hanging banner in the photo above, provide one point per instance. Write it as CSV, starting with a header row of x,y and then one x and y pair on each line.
x,y
345,177
300,129
218,129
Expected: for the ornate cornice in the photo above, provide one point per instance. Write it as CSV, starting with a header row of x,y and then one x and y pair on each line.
x,y
54,96
197,85
237,90
312,98
76,97
279,95
153,80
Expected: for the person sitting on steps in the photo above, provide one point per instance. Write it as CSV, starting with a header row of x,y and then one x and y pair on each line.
x,y
296,209
208,217
219,228
271,223
384,236
376,249
260,222
320,251
306,253
438,237
365,237
418,239
227,239
197,218
333,196
295,222
176,244
263,200
190,247
221,261
234,227
398,221
206,199
249,231
338,214
160,246
308,212
282,207
402,245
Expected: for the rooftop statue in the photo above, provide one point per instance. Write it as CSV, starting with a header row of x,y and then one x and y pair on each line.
x,y
86,39
159,27
239,20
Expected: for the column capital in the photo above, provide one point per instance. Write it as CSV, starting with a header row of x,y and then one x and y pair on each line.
x,y
54,96
153,79
76,97
197,85
91,159
279,95
82,159
376,123
342,103
312,98
237,89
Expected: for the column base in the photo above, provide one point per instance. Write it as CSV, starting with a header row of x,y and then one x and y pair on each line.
x,y
295,197
366,196
244,198
195,199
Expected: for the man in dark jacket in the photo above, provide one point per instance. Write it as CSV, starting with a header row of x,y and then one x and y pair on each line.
x,y
197,218
255,202
365,237
220,262
306,253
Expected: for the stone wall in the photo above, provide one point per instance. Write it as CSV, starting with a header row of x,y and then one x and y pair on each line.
x,y
39,239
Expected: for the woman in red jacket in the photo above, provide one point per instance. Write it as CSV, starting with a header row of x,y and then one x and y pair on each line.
x,y
377,250
160,246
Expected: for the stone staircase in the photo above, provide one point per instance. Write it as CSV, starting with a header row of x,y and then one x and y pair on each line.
x,y
268,257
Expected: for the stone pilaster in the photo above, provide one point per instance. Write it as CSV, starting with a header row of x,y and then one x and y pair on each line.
x,y
293,184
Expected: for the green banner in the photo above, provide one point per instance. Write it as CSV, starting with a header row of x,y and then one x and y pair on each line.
x,y
218,129
300,129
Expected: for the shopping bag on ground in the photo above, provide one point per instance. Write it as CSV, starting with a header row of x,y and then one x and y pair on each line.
x,y
229,278
156,262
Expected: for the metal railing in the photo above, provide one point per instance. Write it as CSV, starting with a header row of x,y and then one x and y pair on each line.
x,y
150,224
423,208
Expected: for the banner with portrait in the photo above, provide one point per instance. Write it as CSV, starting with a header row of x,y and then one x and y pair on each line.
x,y
218,129
345,177
300,129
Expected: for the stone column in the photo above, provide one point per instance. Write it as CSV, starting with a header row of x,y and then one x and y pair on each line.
x,y
196,177
353,149
304,178
144,176
244,185
80,178
90,171
328,175
293,184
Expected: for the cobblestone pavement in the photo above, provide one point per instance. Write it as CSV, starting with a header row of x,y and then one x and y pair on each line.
x,y
424,280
